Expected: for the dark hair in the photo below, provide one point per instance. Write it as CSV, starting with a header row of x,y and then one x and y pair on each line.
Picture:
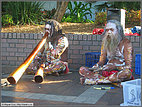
x,y
55,26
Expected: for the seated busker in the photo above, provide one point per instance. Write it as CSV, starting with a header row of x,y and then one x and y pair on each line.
x,y
53,54
118,51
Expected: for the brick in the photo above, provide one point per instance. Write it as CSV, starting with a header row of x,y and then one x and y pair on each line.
x,y
20,50
85,47
96,43
12,58
75,66
70,51
37,41
5,45
137,39
75,51
3,58
12,40
136,44
82,52
29,46
82,62
86,43
27,36
35,36
3,49
20,54
27,50
12,63
75,61
132,39
31,36
20,45
2,35
29,41
12,49
12,45
75,37
40,36
11,54
84,37
5,62
71,37
76,56
20,41
18,35
14,35
3,40
137,50
20,59
75,42
10,35
6,35
69,60
18,63
34,45
70,43
94,37
22,35
80,37
90,37
99,38
5,54
93,48
75,47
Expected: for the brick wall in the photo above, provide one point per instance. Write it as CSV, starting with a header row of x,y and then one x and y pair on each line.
x,y
16,47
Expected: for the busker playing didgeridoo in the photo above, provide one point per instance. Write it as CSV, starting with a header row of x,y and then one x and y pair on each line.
x,y
55,48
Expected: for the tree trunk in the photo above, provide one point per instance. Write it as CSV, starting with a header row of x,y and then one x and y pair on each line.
x,y
60,11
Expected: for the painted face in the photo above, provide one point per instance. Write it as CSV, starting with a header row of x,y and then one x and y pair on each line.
x,y
111,29
47,28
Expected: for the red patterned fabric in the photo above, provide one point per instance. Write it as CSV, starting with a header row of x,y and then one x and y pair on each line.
x,y
132,34
98,31
132,75
106,73
67,69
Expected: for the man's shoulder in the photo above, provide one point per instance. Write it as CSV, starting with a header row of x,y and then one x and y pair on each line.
x,y
126,40
62,36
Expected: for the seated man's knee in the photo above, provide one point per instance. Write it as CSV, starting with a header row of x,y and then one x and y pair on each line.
x,y
125,74
113,77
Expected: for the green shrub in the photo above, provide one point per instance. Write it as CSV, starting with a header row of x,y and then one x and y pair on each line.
x,y
7,20
78,13
48,14
133,17
23,12
100,18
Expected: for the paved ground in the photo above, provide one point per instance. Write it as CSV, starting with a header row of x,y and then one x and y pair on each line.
x,y
63,90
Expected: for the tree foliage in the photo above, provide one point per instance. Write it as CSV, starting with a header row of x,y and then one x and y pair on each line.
x,y
78,13
23,12
119,5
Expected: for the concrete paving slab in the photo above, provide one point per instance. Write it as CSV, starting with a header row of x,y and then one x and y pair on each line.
x,y
62,90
